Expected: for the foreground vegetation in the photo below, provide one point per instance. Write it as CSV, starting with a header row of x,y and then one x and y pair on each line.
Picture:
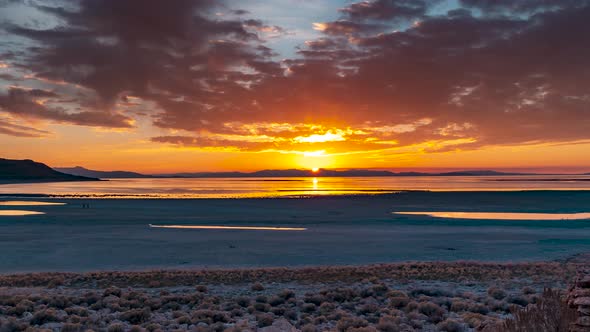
x,y
393,297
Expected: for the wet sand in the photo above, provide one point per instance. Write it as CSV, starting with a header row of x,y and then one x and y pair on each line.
x,y
114,234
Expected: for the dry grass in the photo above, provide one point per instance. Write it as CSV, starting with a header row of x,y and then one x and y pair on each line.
x,y
455,271
550,314
344,299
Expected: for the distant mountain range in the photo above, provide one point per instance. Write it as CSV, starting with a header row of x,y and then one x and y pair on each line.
x,y
81,171
328,173
30,171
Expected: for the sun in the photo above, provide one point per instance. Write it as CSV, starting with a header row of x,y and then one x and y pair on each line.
x,y
315,169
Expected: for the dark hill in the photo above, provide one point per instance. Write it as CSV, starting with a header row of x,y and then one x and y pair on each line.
x,y
81,171
28,170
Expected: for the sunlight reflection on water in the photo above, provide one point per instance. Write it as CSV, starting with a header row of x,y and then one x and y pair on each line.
x,y
246,228
502,215
289,187
28,203
18,213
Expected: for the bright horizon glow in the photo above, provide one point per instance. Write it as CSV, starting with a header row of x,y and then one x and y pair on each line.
x,y
315,169
502,215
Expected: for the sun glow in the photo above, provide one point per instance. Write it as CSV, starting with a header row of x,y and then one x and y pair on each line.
x,y
315,169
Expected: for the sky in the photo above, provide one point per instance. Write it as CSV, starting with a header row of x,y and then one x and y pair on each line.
x,y
212,85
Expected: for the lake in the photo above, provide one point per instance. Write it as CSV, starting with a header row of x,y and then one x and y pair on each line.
x,y
117,225
289,187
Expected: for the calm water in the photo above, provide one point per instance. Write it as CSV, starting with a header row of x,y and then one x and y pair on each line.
x,y
284,187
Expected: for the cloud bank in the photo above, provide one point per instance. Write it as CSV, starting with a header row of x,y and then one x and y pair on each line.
x,y
384,74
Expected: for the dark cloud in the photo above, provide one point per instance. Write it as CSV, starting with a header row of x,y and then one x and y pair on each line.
x,y
154,50
465,77
240,12
12,129
387,9
345,27
31,104
521,6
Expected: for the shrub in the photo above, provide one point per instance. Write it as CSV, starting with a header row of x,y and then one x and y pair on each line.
x,y
201,288
451,325
261,299
71,327
80,311
340,294
474,320
44,316
116,327
362,329
518,300
479,308
432,310
326,308
12,325
399,302
136,316
286,294
430,292
276,300
412,305
369,308
309,328
243,301
496,293
316,299
290,314
528,290
308,307
115,291
347,323
23,306
388,324
396,293
380,289
320,320
257,287
153,327
551,313
210,316
264,320
279,311
262,307
459,305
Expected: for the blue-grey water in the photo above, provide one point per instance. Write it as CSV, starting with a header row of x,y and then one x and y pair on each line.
x,y
115,234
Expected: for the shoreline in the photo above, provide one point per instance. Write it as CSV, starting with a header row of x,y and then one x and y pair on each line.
x,y
278,196
420,270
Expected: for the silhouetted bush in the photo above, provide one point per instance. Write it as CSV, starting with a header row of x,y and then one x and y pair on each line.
x,y
550,314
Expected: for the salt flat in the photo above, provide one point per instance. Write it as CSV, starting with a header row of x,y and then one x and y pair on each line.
x,y
114,234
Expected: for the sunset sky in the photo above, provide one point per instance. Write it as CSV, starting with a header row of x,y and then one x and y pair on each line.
x,y
167,86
